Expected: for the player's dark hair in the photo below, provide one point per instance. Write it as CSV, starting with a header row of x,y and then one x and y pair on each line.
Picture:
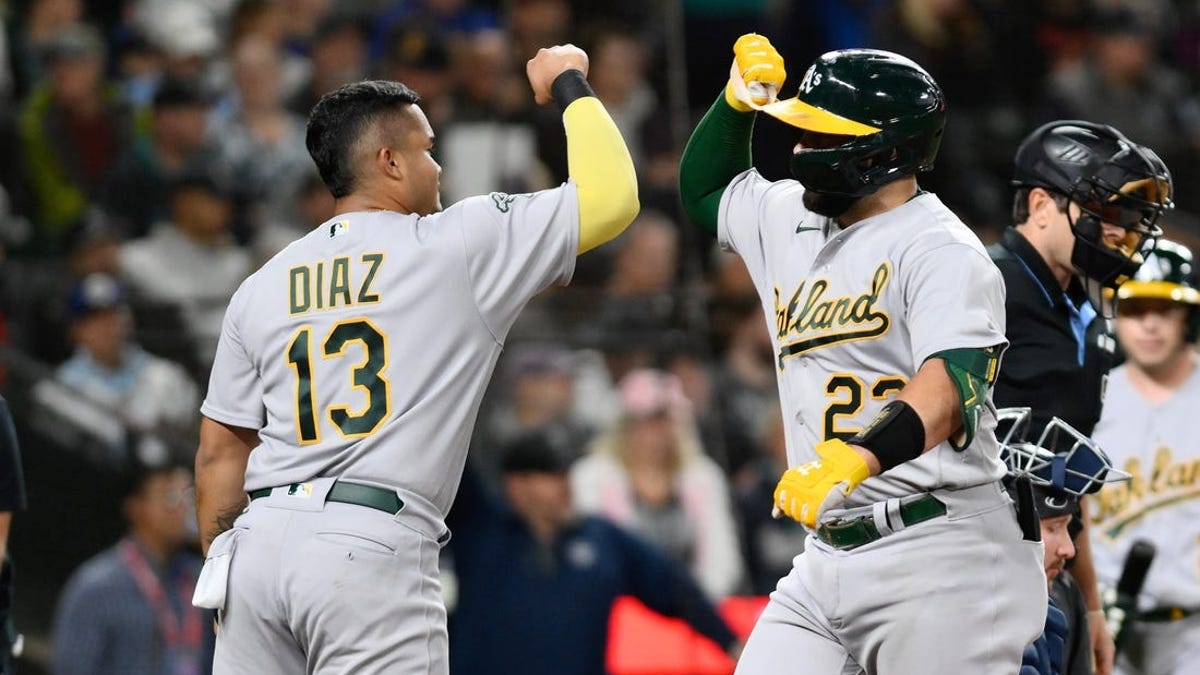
x,y
340,119
1021,203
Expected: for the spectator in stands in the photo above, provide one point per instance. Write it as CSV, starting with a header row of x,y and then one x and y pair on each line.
x,y
313,206
534,23
539,395
957,42
72,129
650,475
1123,82
768,544
262,142
128,609
267,22
184,34
137,188
338,53
641,292
489,142
146,393
538,583
190,262
446,19
745,385
418,56
42,20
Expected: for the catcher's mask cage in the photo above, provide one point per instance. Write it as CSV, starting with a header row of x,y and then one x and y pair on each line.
x,y
1081,469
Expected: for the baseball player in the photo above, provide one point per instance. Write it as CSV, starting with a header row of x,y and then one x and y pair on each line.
x,y
1056,481
888,321
1087,201
350,371
1148,427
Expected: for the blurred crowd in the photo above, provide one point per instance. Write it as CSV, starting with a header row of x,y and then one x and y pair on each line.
x,y
153,156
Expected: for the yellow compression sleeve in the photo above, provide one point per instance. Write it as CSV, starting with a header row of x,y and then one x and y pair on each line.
x,y
602,169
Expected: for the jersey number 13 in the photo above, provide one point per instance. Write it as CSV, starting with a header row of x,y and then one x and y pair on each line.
x,y
367,375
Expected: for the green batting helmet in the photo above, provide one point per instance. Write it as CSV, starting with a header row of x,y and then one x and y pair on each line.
x,y
893,110
1167,274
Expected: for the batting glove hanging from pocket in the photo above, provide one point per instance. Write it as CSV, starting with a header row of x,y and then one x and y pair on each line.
x,y
757,73
807,491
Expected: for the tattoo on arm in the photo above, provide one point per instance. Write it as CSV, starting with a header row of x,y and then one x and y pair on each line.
x,y
225,520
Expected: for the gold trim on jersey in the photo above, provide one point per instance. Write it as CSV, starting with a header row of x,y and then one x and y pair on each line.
x,y
1168,482
811,321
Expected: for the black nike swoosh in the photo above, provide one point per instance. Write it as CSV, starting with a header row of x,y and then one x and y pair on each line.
x,y
801,228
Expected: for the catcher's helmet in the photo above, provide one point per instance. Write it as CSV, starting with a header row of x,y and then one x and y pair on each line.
x,y
891,107
1059,478
1111,178
1167,274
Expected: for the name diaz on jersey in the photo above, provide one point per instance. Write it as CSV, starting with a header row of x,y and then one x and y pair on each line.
x,y
810,321
333,283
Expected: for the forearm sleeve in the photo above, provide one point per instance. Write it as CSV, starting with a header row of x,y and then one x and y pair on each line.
x,y
599,163
718,150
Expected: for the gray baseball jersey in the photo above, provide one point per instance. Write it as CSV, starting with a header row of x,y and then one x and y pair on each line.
x,y
1157,445
854,313
363,349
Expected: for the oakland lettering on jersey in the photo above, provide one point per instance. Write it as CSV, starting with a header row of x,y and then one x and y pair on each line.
x,y
1168,482
332,284
810,320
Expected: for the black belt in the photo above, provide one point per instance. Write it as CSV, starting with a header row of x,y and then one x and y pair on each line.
x,y
351,493
847,534
1165,614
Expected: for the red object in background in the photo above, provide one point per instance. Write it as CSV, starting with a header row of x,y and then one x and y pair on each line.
x,y
642,642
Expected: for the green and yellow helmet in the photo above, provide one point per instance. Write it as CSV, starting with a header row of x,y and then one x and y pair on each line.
x,y
892,110
1168,273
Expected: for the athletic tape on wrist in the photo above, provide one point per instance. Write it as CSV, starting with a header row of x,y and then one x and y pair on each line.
x,y
895,436
568,87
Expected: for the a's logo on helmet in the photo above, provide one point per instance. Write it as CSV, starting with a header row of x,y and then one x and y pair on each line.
x,y
811,79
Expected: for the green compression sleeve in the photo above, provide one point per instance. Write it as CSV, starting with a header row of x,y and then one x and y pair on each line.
x,y
718,150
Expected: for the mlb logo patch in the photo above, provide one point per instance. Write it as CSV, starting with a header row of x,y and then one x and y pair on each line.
x,y
301,490
339,228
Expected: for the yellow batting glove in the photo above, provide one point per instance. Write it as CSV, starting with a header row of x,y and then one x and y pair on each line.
x,y
807,491
757,73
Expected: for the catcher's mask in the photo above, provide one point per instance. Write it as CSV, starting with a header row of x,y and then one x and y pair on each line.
x,y
889,109
1112,179
1061,464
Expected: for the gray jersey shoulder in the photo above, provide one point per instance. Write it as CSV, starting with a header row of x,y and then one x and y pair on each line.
x,y
365,346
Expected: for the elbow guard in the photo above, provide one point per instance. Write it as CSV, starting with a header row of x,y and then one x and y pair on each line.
x,y
973,371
